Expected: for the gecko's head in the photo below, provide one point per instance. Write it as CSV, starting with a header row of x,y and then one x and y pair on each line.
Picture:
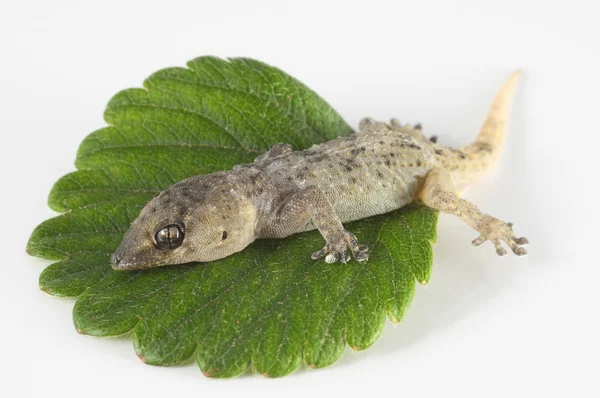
x,y
200,219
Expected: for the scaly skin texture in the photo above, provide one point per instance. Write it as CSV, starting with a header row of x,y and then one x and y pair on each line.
x,y
380,168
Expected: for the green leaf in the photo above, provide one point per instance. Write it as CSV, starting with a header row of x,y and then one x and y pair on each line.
x,y
269,307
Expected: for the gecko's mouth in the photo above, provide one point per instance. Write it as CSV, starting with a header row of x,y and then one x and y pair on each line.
x,y
129,262
119,262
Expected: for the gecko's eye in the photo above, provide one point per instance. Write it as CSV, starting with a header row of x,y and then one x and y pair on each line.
x,y
170,237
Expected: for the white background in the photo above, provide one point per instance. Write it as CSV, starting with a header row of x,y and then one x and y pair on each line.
x,y
484,326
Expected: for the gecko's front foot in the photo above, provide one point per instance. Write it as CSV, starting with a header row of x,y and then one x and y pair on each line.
x,y
337,249
496,231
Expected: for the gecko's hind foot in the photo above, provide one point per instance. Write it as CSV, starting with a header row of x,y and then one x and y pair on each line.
x,y
337,249
497,231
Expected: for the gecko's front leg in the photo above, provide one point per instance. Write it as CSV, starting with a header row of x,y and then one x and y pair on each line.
x,y
293,211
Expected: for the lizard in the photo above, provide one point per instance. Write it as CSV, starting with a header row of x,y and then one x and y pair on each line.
x,y
379,168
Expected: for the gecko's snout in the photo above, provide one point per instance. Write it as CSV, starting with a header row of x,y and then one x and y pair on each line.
x,y
117,263
115,260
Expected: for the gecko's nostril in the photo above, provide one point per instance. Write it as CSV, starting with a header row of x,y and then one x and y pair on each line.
x,y
115,260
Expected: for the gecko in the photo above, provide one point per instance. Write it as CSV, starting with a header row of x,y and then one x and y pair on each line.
x,y
377,169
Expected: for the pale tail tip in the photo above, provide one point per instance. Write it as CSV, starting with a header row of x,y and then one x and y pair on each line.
x,y
514,77
505,93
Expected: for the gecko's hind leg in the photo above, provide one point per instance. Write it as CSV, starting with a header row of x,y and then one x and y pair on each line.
x,y
295,211
439,193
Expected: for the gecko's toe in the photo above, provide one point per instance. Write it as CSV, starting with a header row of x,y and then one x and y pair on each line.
x,y
519,251
361,256
479,240
331,258
521,241
319,254
500,250
360,253
344,257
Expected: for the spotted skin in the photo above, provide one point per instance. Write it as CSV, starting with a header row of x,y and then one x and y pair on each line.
x,y
380,168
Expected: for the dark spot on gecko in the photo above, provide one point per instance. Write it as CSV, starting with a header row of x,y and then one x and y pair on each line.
x,y
486,148
392,154
433,138
289,178
353,180
419,163
388,163
363,149
418,126
348,168
379,174
413,146
439,152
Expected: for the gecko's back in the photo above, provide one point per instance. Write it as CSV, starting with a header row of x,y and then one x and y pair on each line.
x,y
367,173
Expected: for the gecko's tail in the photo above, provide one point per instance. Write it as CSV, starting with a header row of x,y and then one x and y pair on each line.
x,y
485,151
